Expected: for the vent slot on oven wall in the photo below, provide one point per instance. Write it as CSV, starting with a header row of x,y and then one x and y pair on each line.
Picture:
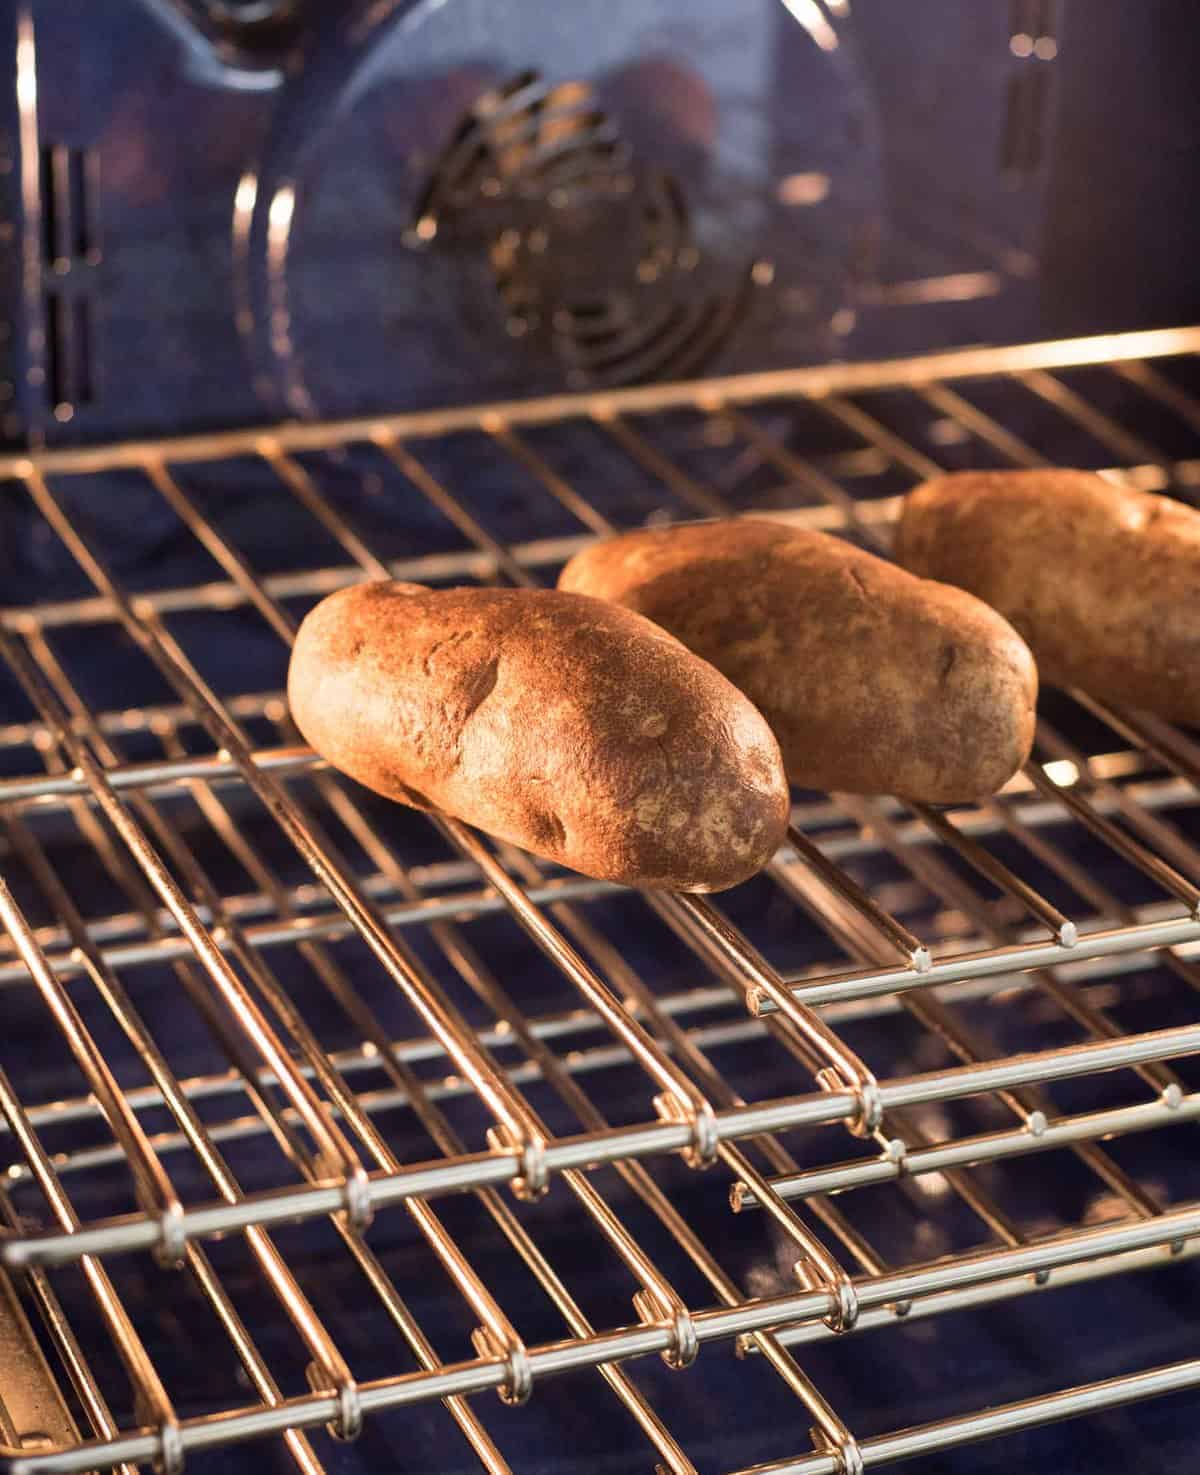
x,y
70,247
1033,41
69,353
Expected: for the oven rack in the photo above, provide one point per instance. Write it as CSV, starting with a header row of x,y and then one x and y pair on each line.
x,y
961,918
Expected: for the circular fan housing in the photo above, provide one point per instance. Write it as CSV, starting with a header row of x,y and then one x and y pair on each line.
x,y
453,207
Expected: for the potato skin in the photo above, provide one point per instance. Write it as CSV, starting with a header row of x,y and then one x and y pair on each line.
x,y
572,728
1103,582
873,681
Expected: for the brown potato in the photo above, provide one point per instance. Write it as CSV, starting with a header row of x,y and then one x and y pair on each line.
x,y
577,730
873,681
1103,582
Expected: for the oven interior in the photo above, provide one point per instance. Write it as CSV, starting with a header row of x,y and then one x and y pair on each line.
x,y
323,1121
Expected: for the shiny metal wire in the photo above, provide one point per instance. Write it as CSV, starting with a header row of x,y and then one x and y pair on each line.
x,y
955,925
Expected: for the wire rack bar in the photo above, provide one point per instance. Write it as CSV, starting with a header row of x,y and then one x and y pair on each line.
x,y
1126,1262
808,383
1043,1136
1016,957
1007,1418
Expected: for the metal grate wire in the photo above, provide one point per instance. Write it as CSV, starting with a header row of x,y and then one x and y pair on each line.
x,y
1005,945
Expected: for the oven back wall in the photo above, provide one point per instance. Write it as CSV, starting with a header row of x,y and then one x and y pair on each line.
x,y
211,225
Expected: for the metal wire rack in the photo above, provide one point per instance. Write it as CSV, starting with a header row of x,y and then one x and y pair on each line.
x,y
271,1044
